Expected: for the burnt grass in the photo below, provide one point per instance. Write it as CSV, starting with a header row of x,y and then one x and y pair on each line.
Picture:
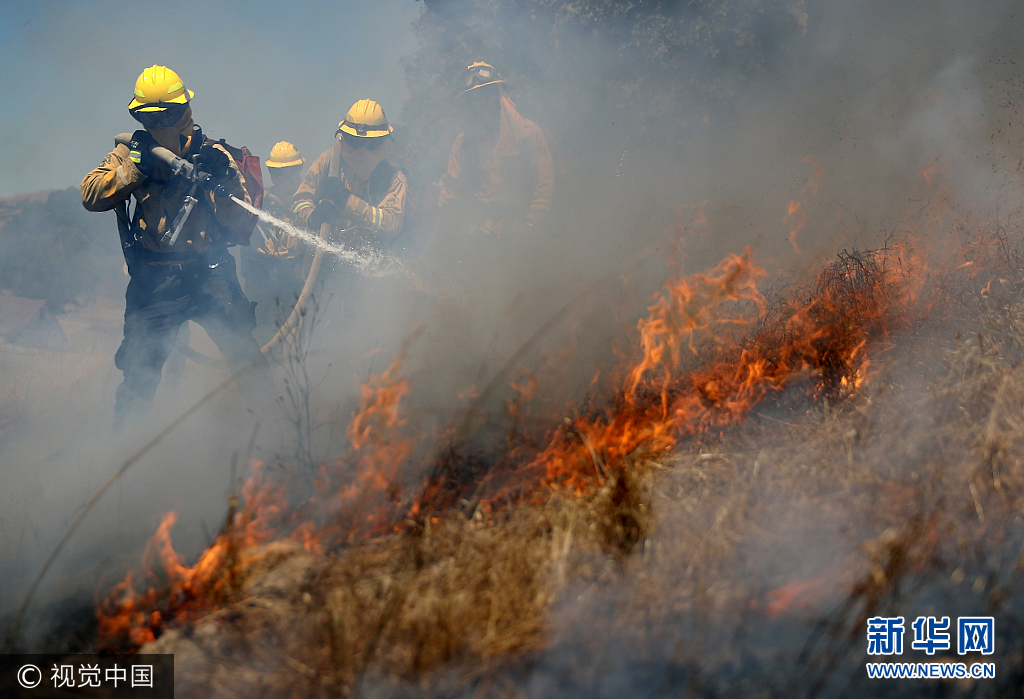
x,y
743,563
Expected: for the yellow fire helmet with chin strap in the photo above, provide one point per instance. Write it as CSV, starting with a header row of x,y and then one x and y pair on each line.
x,y
366,120
158,88
480,74
283,154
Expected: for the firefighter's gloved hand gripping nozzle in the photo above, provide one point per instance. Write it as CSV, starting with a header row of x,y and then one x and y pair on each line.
x,y
207,169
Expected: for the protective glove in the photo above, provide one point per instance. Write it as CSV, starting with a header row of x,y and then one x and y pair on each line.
x,y
141,153
214,162
332,189
325,212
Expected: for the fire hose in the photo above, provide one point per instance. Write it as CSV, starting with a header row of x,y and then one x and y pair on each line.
x,y
314,268
181,167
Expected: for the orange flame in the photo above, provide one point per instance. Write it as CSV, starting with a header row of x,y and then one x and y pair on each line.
x,y
796,218
929,172
824,339
189,592
709,351
689,306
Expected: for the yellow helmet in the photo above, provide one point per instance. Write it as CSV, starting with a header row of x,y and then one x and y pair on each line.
x,y
157,88
366,120
480,74
284,154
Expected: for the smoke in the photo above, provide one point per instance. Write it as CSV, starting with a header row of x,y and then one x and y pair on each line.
x,y
261,74
367,261
860,114
686,128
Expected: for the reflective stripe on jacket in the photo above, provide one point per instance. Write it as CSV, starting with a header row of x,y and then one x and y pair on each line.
x,y
159,200
385,217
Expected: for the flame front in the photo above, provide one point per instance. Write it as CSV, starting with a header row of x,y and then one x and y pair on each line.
x,y
182,593
711,348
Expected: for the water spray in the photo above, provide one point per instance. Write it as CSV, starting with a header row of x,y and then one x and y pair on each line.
x,y
366,260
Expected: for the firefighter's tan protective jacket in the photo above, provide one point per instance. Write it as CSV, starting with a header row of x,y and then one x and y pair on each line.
x,y
384,218
511,182
160,198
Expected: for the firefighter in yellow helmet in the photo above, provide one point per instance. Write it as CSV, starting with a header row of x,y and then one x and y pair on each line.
x,y
178,262
500,177
272,265
367,199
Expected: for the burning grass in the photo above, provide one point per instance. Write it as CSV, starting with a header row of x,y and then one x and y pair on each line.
x,y
766,473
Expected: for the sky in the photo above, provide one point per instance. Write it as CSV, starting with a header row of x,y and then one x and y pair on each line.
x,y
261,71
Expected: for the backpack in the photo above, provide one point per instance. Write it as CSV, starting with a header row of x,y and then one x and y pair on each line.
x,y
249,165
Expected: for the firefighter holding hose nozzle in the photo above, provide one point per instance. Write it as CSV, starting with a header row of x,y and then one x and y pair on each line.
x,y
175,242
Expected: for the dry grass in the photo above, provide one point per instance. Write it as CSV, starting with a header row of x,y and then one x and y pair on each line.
x,y
744,564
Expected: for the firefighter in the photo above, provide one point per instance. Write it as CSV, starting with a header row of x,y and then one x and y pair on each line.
x,y
272,265
367,199
172,279
500,177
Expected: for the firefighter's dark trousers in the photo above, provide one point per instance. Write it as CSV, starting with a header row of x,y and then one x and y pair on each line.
x,y
165,291
274,284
